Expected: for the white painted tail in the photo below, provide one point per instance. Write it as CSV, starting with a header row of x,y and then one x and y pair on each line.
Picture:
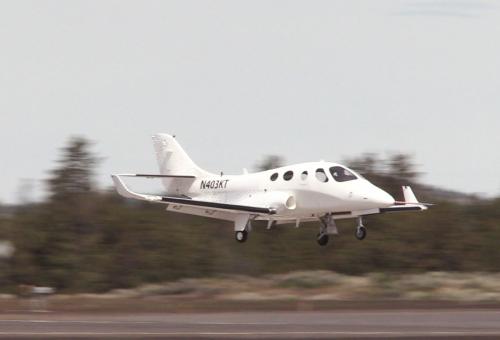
x,y
172,159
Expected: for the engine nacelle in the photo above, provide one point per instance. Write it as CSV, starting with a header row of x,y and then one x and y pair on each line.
x,y
280,201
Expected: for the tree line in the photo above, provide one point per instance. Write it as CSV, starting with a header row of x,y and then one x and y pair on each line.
x,y
85,239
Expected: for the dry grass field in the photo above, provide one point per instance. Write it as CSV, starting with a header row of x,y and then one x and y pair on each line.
x,y
303,290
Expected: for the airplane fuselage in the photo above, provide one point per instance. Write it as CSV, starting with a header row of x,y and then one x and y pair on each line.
x,y
304,190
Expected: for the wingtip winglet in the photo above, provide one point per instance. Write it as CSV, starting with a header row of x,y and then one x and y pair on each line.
x,y
411,199
409,196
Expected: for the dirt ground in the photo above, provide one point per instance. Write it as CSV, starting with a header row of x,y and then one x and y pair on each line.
x,y
159,304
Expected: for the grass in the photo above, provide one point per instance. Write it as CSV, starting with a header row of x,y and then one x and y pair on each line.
x,y
327,285
295,290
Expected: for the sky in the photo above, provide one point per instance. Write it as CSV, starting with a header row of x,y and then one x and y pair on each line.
x,y
237,80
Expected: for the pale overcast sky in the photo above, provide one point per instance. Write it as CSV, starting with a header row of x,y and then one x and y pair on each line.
x,y
235,80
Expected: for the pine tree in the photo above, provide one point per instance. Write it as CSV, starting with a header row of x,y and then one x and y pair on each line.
x,y
74,176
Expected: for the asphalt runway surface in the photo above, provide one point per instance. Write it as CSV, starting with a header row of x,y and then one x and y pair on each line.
x,y
380,324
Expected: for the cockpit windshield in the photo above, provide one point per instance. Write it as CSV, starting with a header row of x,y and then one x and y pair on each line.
x,y
341,174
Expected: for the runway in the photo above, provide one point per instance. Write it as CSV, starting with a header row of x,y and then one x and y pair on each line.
x,y
269,325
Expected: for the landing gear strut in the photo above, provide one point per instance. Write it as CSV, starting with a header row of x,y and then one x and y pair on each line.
x,y
242,225
360,230
327,227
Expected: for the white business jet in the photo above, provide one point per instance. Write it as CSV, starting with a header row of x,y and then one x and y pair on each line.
x,y
315,191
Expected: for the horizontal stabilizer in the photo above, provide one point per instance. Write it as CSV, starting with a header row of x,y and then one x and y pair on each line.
x,y
157,176
124,191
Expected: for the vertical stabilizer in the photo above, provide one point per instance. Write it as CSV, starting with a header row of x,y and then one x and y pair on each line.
x,y
172,159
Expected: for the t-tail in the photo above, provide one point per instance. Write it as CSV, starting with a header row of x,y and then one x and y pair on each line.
x,y
177,170
173,160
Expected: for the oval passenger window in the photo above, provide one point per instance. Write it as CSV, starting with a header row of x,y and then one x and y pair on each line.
x,y
274,176
288,175
321,175
303,175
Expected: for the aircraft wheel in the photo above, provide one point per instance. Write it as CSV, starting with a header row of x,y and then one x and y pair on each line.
x,y
322,239
241,236
360,233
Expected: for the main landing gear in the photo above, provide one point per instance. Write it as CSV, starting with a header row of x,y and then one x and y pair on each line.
x,y
360,230
322,239
327,227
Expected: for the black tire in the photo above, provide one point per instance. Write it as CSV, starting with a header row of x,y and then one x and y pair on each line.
x,y
241,236
322,239
360,233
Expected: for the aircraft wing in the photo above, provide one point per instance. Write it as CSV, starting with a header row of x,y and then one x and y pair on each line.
x,y
189,202
155,176
218,206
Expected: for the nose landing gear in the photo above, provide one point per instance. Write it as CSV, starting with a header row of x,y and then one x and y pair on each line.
x,y
241,236
360,230
242,225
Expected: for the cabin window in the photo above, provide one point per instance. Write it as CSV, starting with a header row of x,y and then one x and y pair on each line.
x,y
341,174
321,175
303,175
274,176
288,175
